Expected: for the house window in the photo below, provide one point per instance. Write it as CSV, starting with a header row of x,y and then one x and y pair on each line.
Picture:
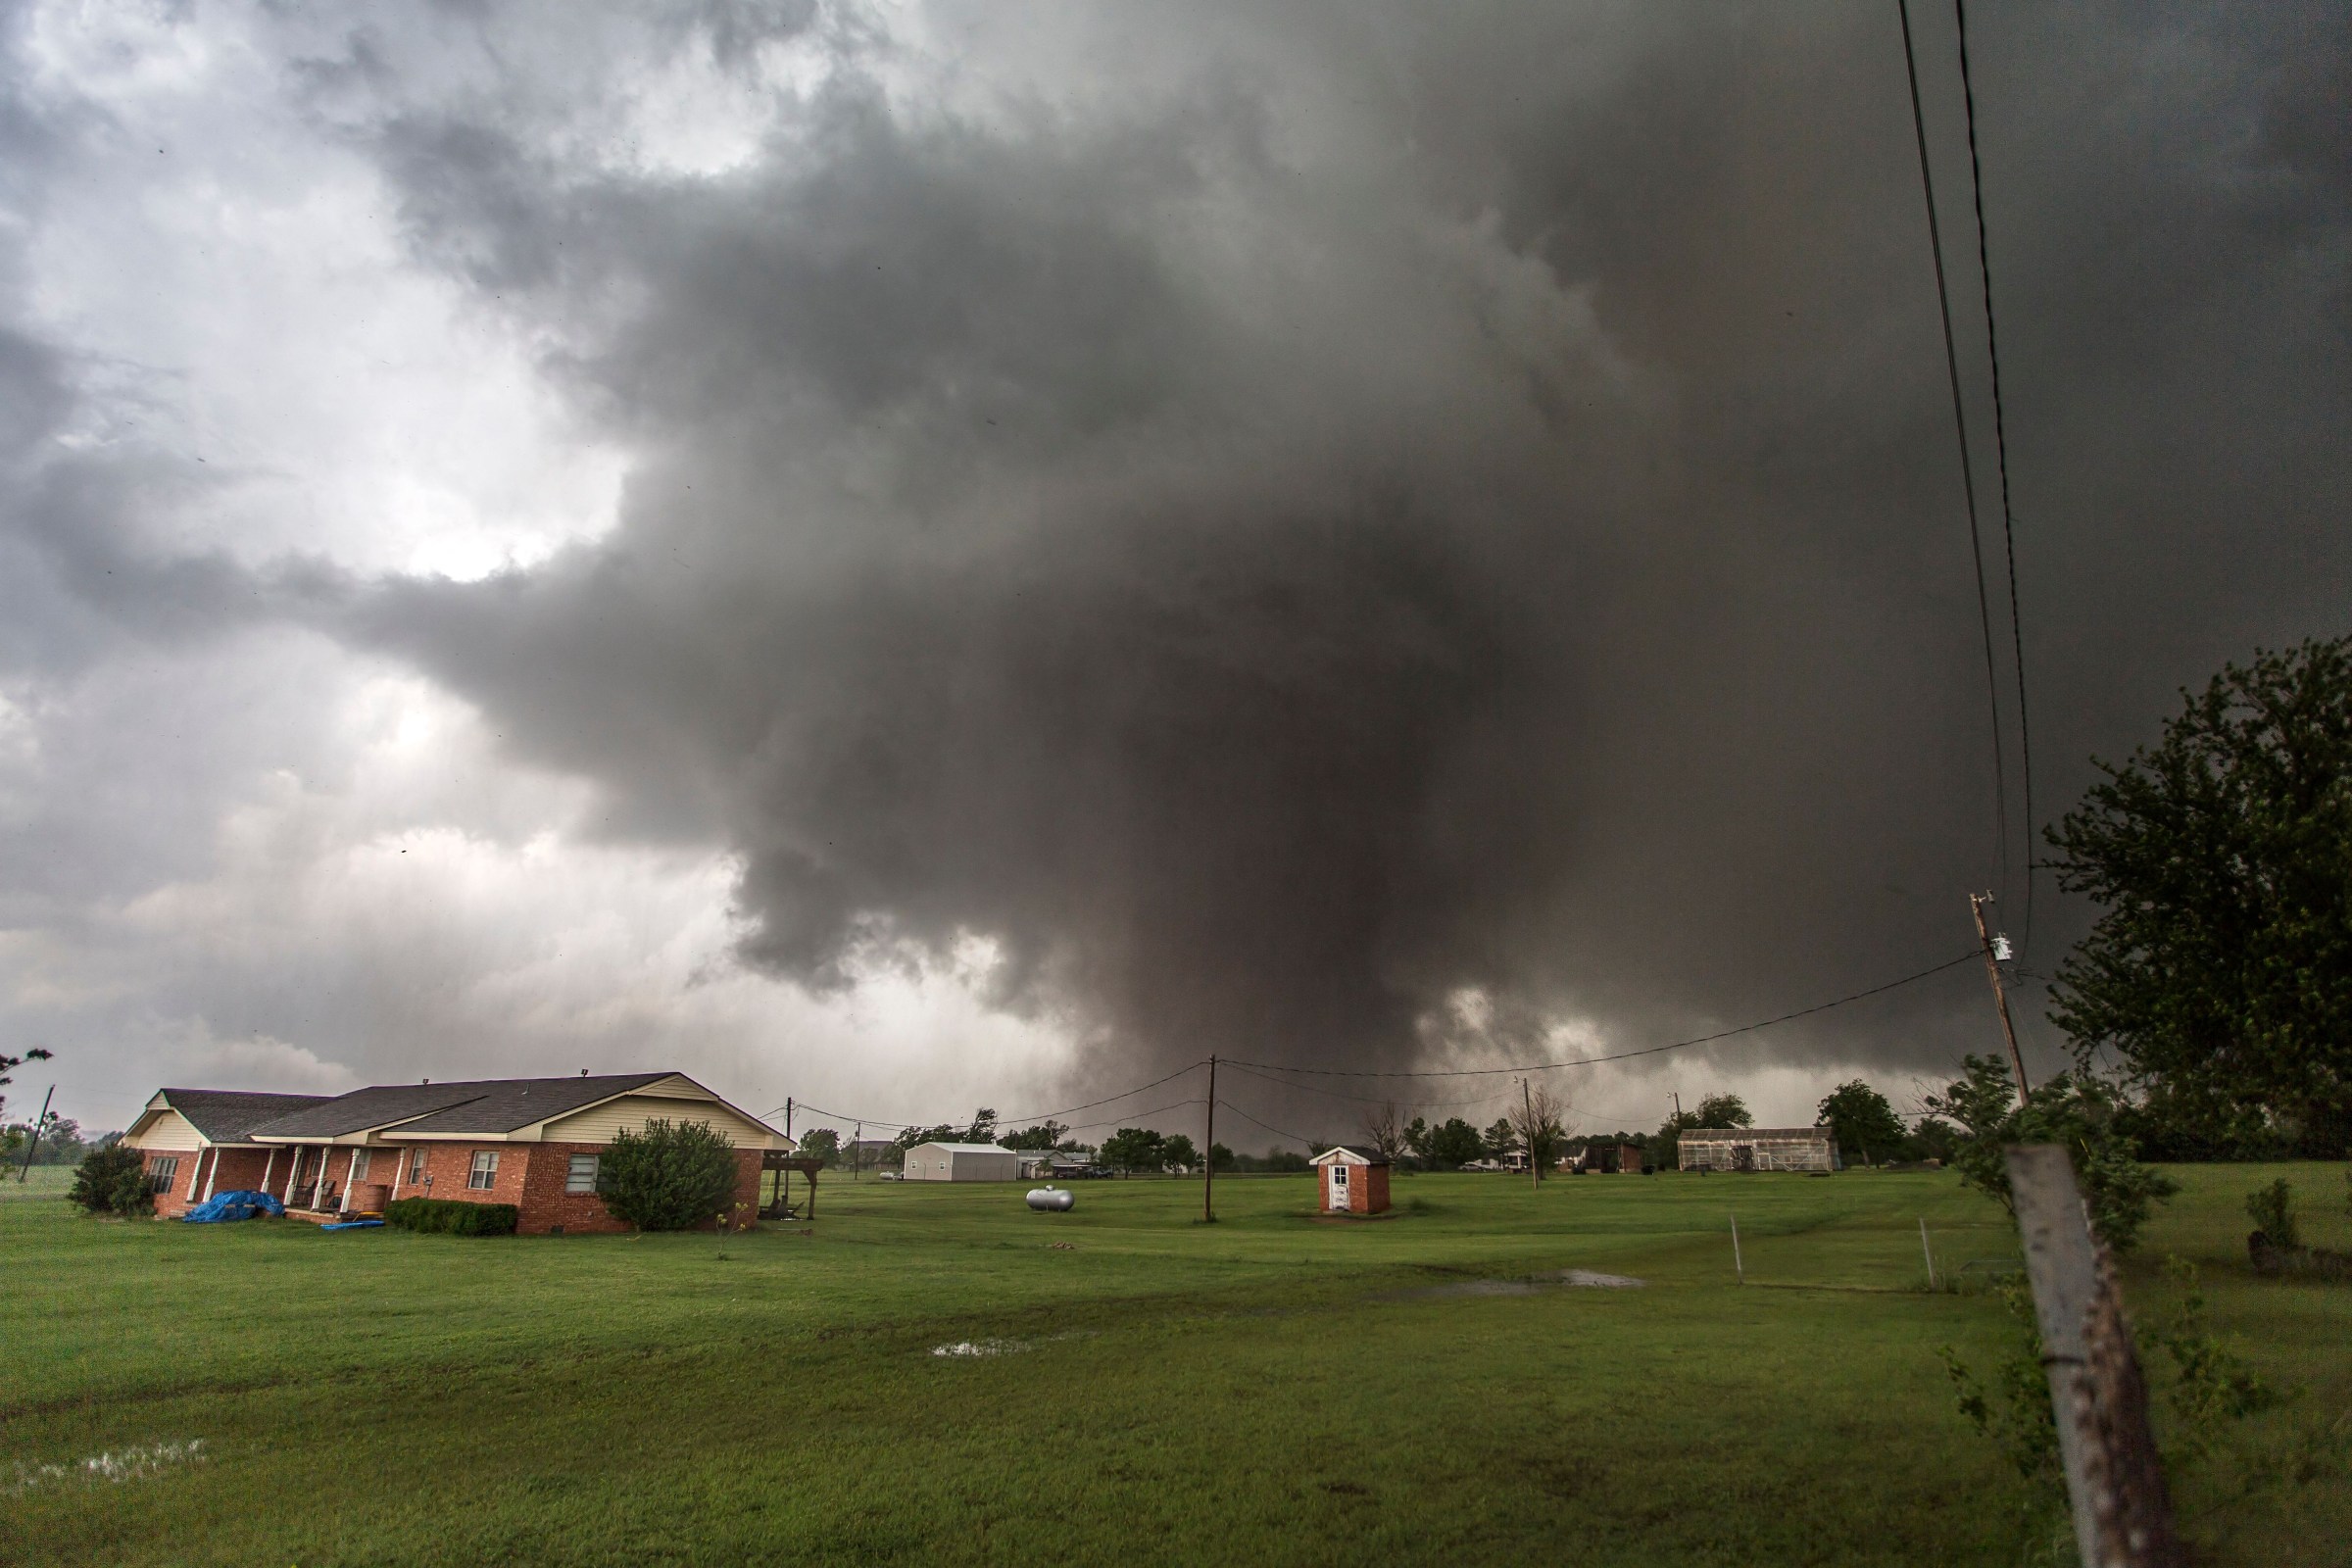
x,y
361,1160
163,1171
581,1176
1339,1177
416,1168
484,1174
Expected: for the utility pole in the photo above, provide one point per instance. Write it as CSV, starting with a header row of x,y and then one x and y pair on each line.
x,y
40,1124
1209,1180
2123,1515
2000,995
1534,1177
857,1151
788,1115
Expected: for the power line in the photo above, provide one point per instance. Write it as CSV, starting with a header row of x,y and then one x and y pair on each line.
x,y
1970,957
1033,1116
2000,446
1968,476
1268,1126
1367,1099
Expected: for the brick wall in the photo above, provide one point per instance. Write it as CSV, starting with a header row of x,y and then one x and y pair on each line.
x,y
239,1169
1370,1194
532,1176
547,1206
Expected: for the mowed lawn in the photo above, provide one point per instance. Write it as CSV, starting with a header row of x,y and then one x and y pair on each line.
x,y
1273,1389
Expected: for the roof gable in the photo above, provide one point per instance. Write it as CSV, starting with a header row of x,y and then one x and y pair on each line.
x,y
1339,1155
506,1104
230,1115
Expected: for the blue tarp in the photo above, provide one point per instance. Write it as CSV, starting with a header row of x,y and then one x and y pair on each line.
x,y
222,1207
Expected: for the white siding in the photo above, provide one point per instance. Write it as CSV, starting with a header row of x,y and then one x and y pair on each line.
x,y
168,1130
930,1162
598,1123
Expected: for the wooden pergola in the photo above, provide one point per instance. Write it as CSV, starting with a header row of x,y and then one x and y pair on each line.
x,y
779,1206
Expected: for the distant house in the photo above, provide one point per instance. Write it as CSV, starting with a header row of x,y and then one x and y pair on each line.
x,y
1350,1183
531,1142
963,1162
1758,1148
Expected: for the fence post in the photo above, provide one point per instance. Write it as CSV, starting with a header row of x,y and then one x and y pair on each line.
x,y
2115,1488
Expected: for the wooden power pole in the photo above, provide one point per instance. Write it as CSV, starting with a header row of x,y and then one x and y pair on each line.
x,y
40,1124
1208,1179
2000,994
2115,1488
1534,1177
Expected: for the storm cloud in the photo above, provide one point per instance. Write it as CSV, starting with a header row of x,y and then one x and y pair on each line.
x,y
1368,536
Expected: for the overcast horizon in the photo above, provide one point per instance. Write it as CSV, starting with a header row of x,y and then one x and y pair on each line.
x,y
923,556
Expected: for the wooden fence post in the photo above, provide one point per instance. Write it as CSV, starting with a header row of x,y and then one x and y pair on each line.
x,y
2115,1488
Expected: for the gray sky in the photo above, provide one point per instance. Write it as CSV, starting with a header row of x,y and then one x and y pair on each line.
x,y
924,555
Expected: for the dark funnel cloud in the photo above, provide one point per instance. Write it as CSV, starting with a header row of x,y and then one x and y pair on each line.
x,y
1376,536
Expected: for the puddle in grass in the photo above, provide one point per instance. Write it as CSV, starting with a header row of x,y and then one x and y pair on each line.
x,y
1584,1279
120,1464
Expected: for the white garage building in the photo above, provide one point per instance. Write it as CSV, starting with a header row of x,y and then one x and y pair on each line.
x,y
963,1162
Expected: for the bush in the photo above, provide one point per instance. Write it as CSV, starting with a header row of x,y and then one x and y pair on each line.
x,y
449,1216
2075,1109
2272,1211
114,1181
668,1178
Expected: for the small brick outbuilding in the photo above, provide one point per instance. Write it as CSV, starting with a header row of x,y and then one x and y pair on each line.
x,y
1348,1182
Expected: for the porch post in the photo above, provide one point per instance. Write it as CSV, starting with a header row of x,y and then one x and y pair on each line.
x,y
196,1171
212,1177
270,1170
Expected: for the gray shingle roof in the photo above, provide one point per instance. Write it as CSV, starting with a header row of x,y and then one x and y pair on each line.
x,y
492,1105
230,1115
511,1102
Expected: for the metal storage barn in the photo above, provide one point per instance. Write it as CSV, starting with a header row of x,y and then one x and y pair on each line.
x,y
963,1162
1758,1148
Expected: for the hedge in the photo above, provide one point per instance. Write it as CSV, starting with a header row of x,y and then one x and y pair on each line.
x,y
447,1216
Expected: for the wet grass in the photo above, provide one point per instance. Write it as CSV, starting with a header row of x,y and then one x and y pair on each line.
x,y
1269,1389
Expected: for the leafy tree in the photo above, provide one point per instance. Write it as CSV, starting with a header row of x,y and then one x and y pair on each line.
x,y
1132,1149
2079,1111
907,1138
112,1180
1500,1139
1722,1112
1220,1157
1455,1144
1933,1139
1859,1117
1178,1152
982,1128
2222,857
670,1177
1040,1138
821,1142
1417,1134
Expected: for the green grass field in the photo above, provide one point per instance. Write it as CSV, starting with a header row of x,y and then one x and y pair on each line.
x,y
1273,1389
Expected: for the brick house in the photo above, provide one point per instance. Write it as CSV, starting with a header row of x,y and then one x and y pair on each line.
x,y
530,1141
1350,1183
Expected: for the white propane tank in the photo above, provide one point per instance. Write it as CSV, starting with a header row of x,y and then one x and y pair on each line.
x,y
1058,1200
